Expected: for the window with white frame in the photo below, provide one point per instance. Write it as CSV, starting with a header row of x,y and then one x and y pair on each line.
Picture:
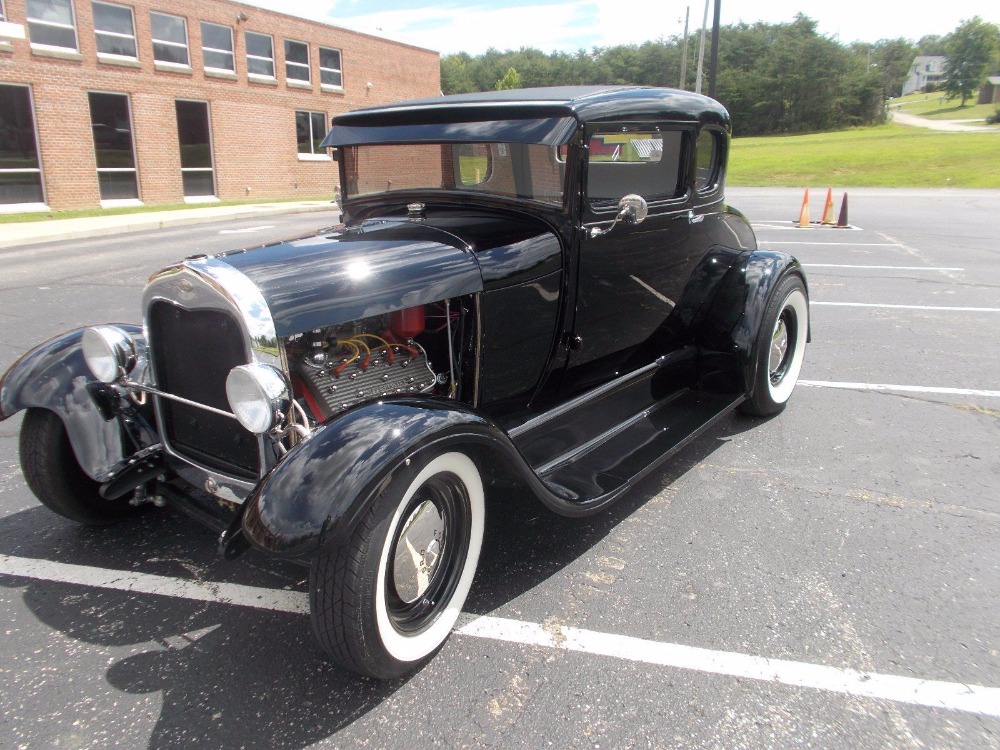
x,y
330,71
20,167
260,55
51,23
111,122
170,41
297,61
217,47
3,12
310,130
114,30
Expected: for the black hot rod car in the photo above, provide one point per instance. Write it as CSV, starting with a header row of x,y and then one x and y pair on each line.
x,y
540,285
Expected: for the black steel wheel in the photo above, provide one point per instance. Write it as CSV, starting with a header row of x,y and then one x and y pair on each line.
x,y
53,474
781,346
388,598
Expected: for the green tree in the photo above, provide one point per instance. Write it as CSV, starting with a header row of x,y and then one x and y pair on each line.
x,y
971,49
511,80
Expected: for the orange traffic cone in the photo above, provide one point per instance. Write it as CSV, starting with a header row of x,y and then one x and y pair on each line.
x,y
842,221
804,212
827,220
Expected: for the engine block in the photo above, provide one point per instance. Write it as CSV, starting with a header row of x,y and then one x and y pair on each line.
x,y
404,374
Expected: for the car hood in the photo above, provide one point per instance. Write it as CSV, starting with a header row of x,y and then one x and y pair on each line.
x,y
354,273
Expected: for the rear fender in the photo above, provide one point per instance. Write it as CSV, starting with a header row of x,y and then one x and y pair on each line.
x,y
763,271
54,376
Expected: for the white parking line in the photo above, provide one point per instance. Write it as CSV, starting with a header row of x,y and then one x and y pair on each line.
x,y
836,244
880,268
248,230
954,696
908,307
900,388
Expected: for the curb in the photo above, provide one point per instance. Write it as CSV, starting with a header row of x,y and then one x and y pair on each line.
x,y
31,233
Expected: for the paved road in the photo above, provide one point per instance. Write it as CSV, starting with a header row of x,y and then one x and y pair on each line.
x,y
730,601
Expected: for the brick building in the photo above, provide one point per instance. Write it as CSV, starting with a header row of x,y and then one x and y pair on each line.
x,y
170,101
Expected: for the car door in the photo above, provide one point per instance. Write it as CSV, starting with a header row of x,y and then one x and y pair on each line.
x,y
630,276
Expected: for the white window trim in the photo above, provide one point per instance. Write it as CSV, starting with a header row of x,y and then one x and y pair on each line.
x,y
15,208
231,52
135,157
214,197
340,70
307,65
312,155
108,56
274,66
186,45
56,25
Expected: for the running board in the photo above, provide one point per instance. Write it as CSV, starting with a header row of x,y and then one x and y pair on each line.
x,y
600,469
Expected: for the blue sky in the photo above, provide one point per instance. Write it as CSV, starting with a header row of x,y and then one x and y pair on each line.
x,y
454,26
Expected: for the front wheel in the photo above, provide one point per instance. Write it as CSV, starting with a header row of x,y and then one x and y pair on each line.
x,y
781,346
51,470
388,598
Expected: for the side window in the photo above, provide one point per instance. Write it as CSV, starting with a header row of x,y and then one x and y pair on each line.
x,y
641,160
473,164
707,161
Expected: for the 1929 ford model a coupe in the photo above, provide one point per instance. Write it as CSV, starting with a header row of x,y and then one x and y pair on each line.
x,y
543,286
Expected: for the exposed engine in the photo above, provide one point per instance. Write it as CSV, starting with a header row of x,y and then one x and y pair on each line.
x,y
336,367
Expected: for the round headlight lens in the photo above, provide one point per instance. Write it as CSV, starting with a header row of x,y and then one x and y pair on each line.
x,y
109,352
257,394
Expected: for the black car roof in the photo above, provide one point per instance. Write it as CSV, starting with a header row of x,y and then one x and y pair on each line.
x,y
545,115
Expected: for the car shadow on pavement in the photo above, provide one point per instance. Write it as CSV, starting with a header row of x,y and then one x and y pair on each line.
x,y
232,677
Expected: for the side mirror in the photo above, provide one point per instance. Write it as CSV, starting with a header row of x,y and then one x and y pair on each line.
x,y
632,209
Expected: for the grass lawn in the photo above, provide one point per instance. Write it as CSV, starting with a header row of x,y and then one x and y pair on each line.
x,y
884,156
86,212
935,106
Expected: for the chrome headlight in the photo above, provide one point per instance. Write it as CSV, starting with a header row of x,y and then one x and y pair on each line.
x,y
109,352
258,395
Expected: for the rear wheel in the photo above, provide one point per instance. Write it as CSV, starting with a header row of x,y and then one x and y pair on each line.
x,y
388,598
781,346
53,474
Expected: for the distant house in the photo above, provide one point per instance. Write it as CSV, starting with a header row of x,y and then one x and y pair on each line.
x,y
925,70
989,92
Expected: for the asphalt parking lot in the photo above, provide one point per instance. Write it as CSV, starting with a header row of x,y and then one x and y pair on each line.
x,y
826,578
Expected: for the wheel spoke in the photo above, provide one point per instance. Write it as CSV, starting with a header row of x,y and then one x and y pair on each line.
x,y
779,346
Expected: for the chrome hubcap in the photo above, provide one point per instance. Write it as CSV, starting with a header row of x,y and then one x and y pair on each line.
x,y
418,552
779,347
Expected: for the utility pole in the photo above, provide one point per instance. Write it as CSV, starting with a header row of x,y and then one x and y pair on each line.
x,y
684,49
713,65
701,51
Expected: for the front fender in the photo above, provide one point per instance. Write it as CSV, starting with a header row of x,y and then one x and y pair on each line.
x,y
315,496
54,376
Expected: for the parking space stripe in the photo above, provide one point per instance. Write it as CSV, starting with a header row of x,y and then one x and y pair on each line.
x,y
834,244
930,693
907,307
953,696
146,583
879,268
900,388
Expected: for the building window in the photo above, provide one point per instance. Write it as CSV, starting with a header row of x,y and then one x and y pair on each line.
x,y
310,130
3,12
217,47
111,122
194,133
170,44
114,29
51,23
297,61
330,72
20,169
260,55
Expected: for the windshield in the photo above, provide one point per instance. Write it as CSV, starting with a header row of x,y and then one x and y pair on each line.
x,y
512,170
